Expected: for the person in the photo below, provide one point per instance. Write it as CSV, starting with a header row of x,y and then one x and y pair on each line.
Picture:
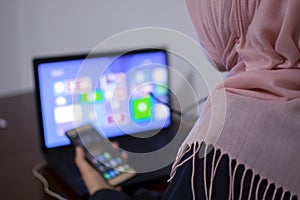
x,y
255,155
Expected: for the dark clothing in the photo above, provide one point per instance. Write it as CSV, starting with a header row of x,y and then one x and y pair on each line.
x,y
180,186
109,194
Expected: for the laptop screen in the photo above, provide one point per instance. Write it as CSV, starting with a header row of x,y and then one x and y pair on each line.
x,y
119,94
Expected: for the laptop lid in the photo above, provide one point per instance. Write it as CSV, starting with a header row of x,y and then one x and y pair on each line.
x,y
118,93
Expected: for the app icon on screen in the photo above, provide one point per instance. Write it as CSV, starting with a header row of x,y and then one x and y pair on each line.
x,y
91,97
141,109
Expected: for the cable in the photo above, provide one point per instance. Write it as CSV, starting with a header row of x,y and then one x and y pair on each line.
x,y
42,179
180,113
166,104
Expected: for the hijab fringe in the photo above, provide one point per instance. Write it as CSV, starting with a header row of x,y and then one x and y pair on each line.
x,y
233,166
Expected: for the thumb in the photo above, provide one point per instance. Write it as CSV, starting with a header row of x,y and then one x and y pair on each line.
x,y
80,158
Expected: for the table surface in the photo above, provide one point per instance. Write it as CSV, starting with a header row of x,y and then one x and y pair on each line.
x,y
20,152
19,148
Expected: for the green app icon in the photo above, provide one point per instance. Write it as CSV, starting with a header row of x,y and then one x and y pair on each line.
x,y
106,176
91,97
141,109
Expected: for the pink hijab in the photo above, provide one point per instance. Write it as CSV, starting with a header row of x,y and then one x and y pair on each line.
x,y
258,43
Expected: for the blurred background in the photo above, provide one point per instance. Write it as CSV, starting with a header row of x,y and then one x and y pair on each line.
x,y
35,28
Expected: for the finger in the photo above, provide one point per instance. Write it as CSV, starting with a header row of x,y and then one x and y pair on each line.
x,y
123,153
115,144
80,160
79,153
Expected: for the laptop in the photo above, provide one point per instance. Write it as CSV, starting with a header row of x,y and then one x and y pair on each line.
x,y
122,94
